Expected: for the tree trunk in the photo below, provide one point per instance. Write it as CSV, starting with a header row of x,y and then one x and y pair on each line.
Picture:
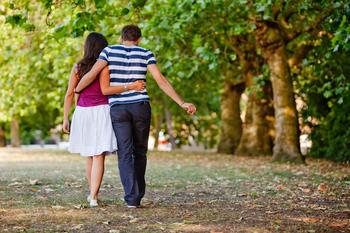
x,y
256,137
2,136
15,136
169,124
287,145
158,124
231,128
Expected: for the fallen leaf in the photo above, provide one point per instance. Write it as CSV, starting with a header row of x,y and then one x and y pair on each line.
x,y
142,227
79,207
34,182
15,184
310,220
306,190
339,224
303,185
114,231
214,231
299,173
322,188
77,227
134,220
147,202
106,222
128,216
200,202
19,229
57,207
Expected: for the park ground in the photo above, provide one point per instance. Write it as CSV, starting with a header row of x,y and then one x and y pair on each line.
x,y
45,191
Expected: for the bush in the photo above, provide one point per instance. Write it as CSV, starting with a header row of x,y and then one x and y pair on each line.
x,y
331,138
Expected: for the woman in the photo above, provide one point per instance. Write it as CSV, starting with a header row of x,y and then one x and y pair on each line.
x,y
91,132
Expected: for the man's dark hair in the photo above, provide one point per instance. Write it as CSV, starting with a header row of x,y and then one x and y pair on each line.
x,y
131,33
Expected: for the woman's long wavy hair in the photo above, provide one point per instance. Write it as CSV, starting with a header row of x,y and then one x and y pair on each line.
x,y
94,44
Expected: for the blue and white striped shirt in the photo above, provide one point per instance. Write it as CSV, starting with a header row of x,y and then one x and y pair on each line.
x,y
127,64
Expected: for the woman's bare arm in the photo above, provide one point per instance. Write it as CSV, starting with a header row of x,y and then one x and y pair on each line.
x,y
111,90
69,97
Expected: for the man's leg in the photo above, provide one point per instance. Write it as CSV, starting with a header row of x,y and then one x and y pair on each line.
x,y
122,126
141,113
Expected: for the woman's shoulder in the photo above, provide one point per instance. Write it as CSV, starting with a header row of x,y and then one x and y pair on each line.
x,y
74,70
76,67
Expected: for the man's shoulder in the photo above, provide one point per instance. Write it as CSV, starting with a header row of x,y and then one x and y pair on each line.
x,y
142,49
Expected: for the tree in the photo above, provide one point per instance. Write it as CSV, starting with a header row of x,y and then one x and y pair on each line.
x,y
231,126
244,46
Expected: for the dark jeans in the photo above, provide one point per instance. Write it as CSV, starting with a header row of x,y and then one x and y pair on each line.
x,y
131,124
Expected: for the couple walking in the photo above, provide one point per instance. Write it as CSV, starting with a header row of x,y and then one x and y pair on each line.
x,y
112,111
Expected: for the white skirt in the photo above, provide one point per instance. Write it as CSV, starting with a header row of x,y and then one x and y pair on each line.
x,y
91,131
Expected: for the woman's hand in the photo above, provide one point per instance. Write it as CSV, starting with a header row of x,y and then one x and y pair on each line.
x,y
65,126
138,85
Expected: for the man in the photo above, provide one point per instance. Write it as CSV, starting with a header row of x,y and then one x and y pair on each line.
x,y
130,110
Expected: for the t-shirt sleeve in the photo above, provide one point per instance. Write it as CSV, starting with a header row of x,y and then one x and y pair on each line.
x,y
150,58
104,55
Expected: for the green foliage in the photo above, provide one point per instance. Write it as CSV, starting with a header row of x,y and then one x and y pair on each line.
x,y
331,138
198,44
341,39
138,3
19,20
16,19
100,3
47,3
81,23
260,82
330,104
324,84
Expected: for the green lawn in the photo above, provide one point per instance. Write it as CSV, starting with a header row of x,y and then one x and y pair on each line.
x,y
45,191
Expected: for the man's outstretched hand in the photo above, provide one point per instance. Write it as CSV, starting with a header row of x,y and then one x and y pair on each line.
x,y
189,107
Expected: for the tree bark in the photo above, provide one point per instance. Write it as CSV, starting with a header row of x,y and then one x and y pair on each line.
x,y
15,135
287,145
257,136
2,136
231,129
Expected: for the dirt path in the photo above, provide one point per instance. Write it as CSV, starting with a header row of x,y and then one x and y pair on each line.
x,y
45,191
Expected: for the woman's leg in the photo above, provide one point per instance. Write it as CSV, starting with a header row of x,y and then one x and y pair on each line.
x,y
88,170
96,175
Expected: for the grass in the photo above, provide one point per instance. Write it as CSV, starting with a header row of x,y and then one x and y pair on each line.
x,y
45,191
